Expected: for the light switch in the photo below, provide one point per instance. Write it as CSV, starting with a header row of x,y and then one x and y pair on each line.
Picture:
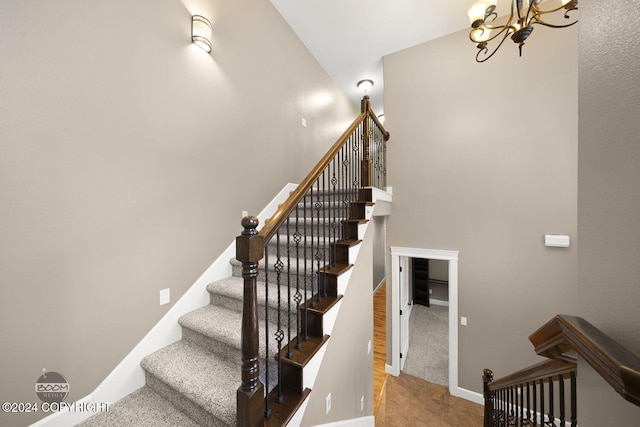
x,y
165,296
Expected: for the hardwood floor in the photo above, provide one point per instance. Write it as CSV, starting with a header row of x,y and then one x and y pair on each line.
x,y
379,345
409,401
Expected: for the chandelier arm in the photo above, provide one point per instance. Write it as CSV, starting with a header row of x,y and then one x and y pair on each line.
x,y
484,50
555,25
502,29
569,7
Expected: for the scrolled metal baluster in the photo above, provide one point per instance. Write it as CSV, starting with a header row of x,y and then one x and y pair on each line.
x,y
306,277
289,338
313,254
279,334
334,213
317,254
297,238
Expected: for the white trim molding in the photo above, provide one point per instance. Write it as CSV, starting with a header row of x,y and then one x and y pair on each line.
x,y
439,254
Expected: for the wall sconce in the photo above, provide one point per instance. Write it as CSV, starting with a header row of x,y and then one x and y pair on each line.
x,y
201,32
365,85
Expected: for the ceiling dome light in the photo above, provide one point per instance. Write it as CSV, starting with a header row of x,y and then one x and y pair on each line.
x,y
365,85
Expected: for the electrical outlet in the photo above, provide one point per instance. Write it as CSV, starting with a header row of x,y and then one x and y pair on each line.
x,y
328,403
245,214
165,296
463,321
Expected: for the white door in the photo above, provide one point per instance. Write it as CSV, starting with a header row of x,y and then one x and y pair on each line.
x,y
405,309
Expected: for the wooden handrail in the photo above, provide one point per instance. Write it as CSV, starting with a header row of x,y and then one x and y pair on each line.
x,y
272,224
541,371
277,219
565,336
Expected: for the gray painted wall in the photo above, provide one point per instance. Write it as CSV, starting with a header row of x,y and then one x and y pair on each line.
x,y
609,195
484,161
120,153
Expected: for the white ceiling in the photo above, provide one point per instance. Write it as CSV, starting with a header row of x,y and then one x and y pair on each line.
x,y
350,37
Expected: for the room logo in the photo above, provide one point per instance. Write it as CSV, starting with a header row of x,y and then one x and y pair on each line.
x,y
52,387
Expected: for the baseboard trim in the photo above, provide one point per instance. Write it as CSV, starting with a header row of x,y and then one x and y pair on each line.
x,y
369,421
439,302
128,375
468,395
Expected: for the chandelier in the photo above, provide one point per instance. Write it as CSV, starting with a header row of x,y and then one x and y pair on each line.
x,y
524,14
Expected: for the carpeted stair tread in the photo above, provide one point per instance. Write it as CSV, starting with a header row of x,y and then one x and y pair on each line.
x,y
231,290
197,375
142,408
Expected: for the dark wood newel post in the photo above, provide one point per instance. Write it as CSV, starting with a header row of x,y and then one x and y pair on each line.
x,y
487,378
250,396
365,107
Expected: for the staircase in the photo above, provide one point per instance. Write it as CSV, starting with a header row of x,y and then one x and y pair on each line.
x,y
250,357
193,382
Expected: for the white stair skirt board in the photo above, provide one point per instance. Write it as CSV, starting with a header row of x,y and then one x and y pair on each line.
x,y
311,371
446,255
129,376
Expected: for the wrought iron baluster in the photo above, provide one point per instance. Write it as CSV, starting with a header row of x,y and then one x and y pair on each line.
x,y
313,254
297,238
306,273
324,233
289,338
528,403
561,399
521,392
534,415
551,412
318,255
574,395
542,402
267,410
512,409
278,267
334,182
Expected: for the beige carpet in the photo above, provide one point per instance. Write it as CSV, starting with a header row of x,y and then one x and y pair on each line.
x,y
428,355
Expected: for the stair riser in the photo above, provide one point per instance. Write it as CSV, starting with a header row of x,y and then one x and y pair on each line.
x,y
311,277
236,305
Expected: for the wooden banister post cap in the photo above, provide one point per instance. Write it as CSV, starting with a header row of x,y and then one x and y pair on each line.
x,y
250,225
487,375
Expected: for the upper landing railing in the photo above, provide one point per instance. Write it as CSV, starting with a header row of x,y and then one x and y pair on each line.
x,y
303,246
521,399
